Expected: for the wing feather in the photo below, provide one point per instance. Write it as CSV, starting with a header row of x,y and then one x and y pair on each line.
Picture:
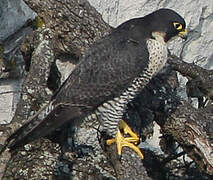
x,y
105,71
36,128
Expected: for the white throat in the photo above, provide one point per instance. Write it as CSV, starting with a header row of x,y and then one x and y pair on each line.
x,y
159,36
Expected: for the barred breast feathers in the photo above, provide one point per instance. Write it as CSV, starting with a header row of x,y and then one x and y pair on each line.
x,y
116,107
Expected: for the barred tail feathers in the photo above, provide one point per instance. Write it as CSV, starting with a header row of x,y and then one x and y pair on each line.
x,y
36,127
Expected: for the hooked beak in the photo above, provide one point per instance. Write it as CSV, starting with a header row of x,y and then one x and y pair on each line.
x,y
183,34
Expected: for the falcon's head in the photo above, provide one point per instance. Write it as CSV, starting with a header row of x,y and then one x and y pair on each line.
x,y
167,23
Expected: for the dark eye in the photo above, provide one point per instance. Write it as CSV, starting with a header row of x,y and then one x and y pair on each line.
x,y
178,26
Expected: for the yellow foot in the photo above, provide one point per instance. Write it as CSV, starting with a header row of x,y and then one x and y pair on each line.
x,y
121,141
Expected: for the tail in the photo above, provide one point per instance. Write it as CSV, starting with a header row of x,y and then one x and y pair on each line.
x,y
37,127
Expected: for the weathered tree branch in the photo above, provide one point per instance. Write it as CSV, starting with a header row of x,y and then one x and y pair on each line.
x,y
186,125
192,125
189,69
200,82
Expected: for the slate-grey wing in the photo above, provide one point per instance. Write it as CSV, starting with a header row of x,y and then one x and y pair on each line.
x,y
36,128
105,71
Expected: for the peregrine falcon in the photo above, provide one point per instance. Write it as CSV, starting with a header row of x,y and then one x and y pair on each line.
x,y
109,76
